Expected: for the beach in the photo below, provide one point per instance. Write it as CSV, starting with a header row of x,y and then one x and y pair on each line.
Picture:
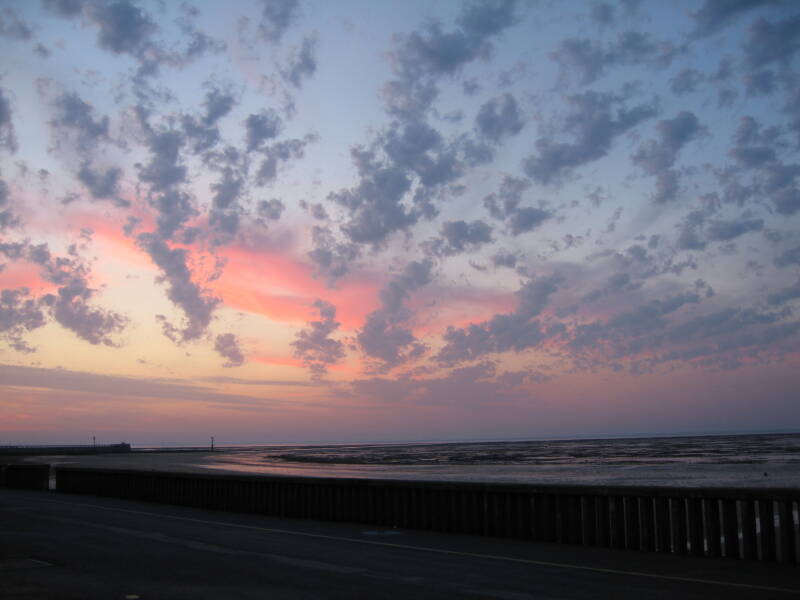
x,y
771,460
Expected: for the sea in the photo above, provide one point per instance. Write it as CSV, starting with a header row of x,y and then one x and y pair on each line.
x,y
762,460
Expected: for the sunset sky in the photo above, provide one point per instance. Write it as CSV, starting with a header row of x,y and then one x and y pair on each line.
x,y
278,221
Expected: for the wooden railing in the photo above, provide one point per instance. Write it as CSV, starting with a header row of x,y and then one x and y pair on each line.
x,y
28,477
752,524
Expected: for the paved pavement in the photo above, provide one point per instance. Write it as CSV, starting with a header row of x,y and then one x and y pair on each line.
x,y
58,546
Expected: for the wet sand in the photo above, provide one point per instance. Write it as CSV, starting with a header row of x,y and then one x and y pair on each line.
x,y
180,462
238,461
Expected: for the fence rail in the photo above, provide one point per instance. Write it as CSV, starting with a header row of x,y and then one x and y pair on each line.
x,y
28,477
753,524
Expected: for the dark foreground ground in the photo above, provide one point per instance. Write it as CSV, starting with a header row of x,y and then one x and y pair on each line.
x,y
55,546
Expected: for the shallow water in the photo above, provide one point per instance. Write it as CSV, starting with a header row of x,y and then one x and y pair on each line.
x,y
742,460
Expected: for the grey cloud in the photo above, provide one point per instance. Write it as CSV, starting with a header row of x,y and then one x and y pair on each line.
x,y
332,258
199,45
205,133
467,385
269,210
788,257
102,185
69,306
471,87
19,314
730,230
722,322
164,168
753,156
262,126
516,331
656,156
71,309
630,332
376,206
595,121
750,132
756,148
227,189
506,200
603,14
485,18
666,186
314,346
618,282
41,51
526,219
74,115
504,205
686,81
276,18
225,209
418,148
436,52
499,118
691,228
227,346
715,15
174,210
407,144
775,41
111,386
760,83
217,104
385,336
279,153
203,138
409,98
124,28
403,173
197,306
302,63
64,8
13,27
7,217
786,294
591,58
423,56
779,182
505,258
8,137
131,224
461,236
318,211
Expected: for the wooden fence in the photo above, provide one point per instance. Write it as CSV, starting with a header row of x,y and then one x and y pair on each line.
x,y
752,524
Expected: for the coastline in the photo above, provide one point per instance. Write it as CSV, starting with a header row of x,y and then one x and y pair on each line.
x,y
699,474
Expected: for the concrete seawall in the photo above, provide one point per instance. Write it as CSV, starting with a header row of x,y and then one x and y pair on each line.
x,y
704,522
752,524
72,450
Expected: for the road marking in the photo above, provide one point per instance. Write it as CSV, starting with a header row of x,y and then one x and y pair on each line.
x,y
12,564
542,563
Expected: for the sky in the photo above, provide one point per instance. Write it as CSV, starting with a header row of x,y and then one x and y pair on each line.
x,y
289,221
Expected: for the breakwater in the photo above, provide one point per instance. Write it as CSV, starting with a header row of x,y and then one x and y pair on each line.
x,y
71,449
751,524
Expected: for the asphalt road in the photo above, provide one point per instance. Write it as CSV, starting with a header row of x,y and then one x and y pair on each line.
x,y
57,546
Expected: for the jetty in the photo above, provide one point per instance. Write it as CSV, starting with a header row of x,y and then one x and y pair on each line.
x,y
46,450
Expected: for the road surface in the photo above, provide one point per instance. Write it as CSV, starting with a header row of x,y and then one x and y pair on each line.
x,y
57,546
